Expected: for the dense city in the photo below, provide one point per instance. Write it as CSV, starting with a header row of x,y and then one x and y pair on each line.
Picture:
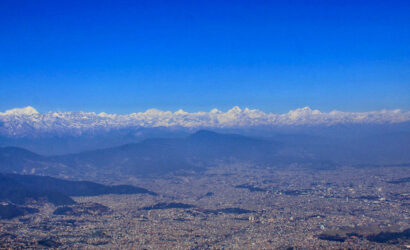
x,y
231,207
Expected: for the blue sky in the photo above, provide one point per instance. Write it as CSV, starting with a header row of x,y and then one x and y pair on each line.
x,y
126,56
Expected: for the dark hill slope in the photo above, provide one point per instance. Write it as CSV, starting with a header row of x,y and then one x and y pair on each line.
x,y
13,159
15,191
20,188
73,188
205,144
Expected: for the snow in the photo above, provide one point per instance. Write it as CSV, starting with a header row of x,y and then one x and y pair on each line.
x,y
21,111
23,121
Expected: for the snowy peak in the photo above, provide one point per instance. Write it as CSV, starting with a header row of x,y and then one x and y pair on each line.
x,y
27,121
21,111
235,110
303,112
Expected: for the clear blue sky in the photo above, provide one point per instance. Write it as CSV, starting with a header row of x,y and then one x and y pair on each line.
x,y
125,56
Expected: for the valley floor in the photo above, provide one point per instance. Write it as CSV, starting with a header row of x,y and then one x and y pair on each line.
x,y
235,207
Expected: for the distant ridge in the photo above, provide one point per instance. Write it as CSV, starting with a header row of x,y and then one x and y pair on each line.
x,y
151,156
199,151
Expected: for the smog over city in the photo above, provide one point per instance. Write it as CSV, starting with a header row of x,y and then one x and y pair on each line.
x,y
204,124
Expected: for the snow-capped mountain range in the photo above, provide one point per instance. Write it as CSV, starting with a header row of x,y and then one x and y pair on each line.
x,y
25,121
